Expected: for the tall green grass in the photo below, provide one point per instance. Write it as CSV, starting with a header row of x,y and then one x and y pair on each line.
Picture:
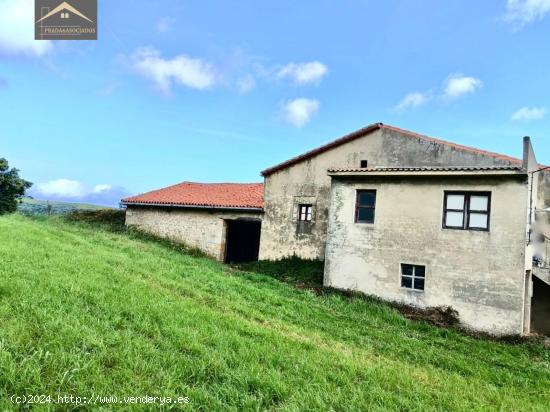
x,y
86,311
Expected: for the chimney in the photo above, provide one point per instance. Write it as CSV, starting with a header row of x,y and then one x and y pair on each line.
x,y
526,150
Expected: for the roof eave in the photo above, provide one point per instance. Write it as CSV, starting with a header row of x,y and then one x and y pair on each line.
x,y
473,173
180,206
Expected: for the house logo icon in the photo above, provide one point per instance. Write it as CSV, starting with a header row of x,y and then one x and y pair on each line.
x,y
65,20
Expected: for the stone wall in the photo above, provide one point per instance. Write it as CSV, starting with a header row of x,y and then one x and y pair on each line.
x,y
480,274
199,228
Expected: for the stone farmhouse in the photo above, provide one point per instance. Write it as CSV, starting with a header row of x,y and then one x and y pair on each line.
x,y
394,214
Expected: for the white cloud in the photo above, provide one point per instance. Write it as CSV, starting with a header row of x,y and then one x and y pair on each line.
x,y
165,24
304,73
298,112
413,100
458,85
17,29
101,188
62,187
72,190
521,12
181,70
246,84
530,113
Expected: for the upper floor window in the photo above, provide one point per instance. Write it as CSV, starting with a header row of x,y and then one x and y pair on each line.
x,y
364,164
305,213
364,206
466,210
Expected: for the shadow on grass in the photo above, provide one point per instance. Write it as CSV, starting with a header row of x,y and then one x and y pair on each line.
x,y
302,273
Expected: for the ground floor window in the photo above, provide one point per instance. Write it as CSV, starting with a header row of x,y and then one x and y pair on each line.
x,y
413,276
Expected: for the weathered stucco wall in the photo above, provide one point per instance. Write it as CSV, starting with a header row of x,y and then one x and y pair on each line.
x,y
480,274
308,182
200,228
544,201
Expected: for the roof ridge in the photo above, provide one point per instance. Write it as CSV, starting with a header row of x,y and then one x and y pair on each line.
x,y
216,195
310,153
451,144
377,126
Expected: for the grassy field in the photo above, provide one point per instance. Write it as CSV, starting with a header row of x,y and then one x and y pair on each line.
x,y
87,312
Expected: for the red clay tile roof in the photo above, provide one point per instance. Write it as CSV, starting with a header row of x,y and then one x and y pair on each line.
x,y
216,195
377,126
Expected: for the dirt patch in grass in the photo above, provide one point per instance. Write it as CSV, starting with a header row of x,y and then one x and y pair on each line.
x,y
441,316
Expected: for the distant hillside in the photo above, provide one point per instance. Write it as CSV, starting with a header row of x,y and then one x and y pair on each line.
x,y
30,206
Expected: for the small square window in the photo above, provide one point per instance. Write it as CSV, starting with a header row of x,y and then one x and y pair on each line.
x,y
413,276
364,164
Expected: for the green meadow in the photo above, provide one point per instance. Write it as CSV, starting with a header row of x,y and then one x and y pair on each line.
x,y
85,311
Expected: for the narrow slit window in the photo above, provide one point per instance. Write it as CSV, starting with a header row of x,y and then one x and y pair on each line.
x,y
364,206
305,213
467,210
413,276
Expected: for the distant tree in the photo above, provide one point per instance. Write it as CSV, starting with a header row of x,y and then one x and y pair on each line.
x,y
12,187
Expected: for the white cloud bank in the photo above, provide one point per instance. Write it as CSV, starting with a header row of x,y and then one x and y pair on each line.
x,y
298,112
73,190
61,187
458,85
180,70
17,29
304,73
521,12
413,100
530,113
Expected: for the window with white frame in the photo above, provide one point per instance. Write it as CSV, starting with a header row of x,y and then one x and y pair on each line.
x,y
413,276
467,210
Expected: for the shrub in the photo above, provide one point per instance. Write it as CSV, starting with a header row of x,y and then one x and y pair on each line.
x,y
112,218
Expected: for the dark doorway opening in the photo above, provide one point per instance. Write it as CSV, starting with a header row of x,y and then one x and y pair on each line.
x,y
242,243
540,307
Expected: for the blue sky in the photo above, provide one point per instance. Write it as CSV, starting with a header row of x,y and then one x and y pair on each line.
x,y
216,91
